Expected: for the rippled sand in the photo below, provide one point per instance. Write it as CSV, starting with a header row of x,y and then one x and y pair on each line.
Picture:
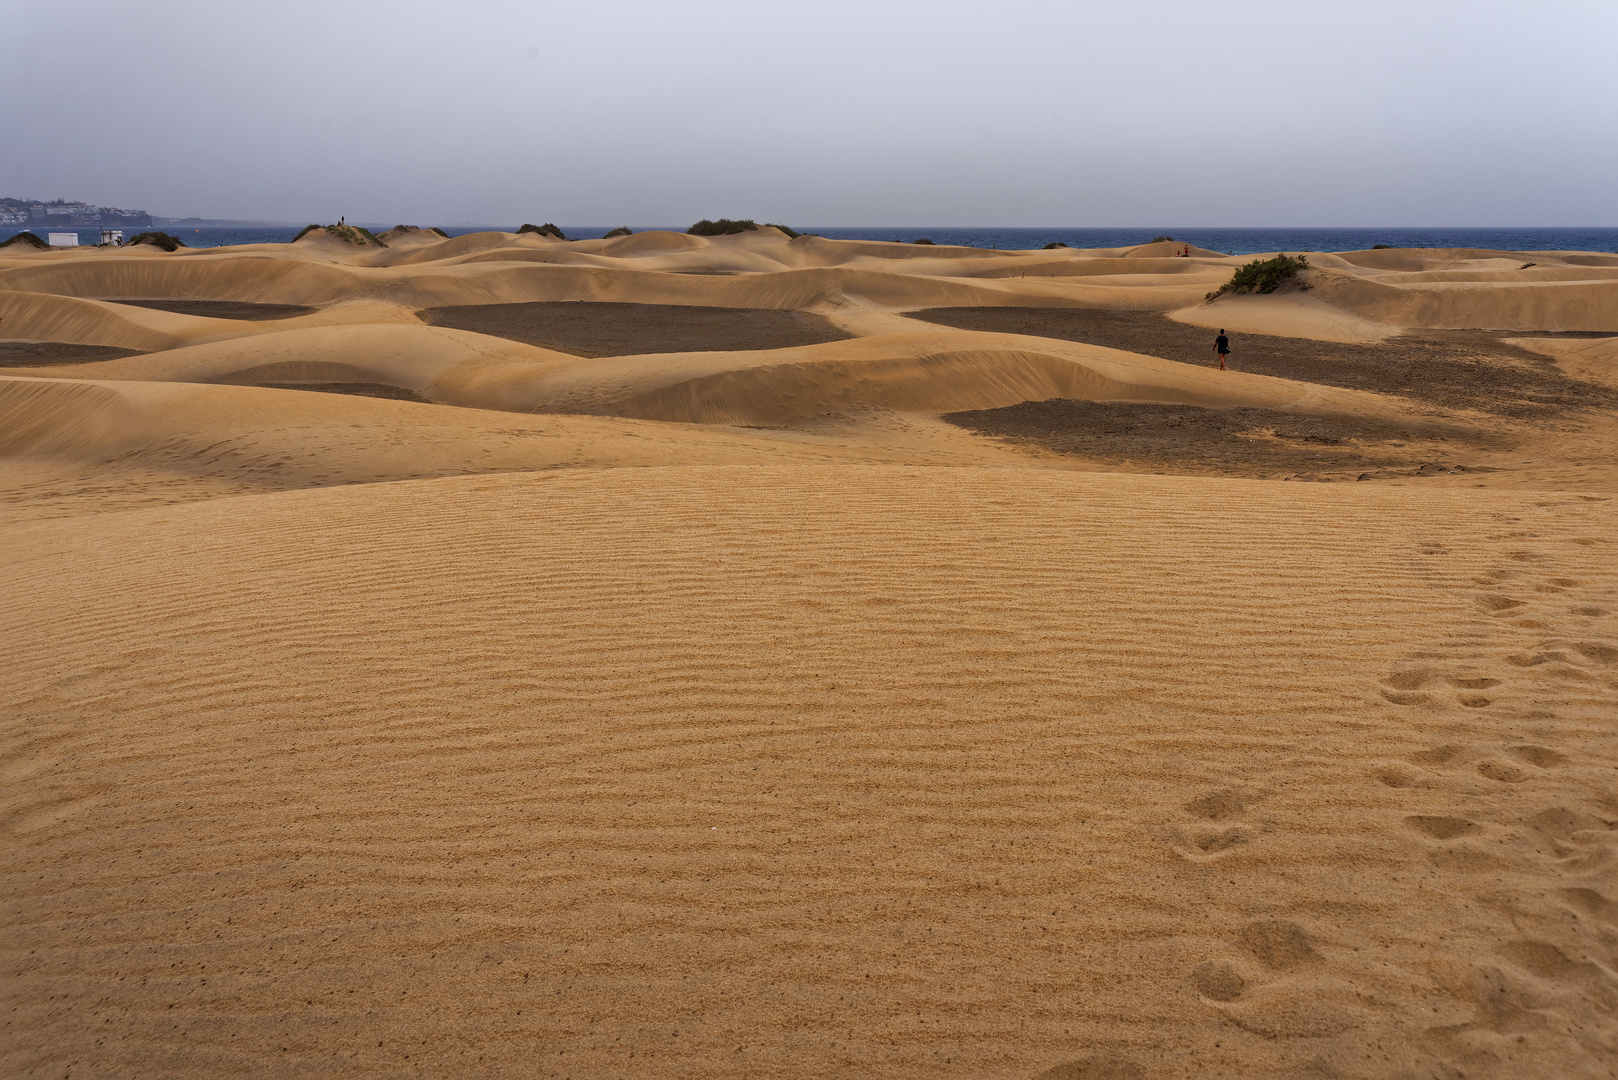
x,y
346,736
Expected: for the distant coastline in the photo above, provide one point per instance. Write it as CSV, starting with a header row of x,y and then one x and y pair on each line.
x,y
205,233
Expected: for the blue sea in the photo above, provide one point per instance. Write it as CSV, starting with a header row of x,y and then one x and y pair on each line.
x,y
1231,241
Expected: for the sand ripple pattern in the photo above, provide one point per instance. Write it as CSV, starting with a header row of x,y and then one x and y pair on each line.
x,y
881,771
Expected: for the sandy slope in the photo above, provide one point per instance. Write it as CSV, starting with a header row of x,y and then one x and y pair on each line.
x,y
729,713
793,772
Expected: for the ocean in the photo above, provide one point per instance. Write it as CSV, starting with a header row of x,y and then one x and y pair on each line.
x,y
1231,241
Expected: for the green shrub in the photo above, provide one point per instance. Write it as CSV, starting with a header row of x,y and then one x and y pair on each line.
x,y
792,234
161,239
1264,275
924,240
1054,244
1525,266
722,227
546,229
1380,247
358,235
1162,239
622,230
440,232
25,237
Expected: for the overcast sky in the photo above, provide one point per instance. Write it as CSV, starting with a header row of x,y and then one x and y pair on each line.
x,y
1148,112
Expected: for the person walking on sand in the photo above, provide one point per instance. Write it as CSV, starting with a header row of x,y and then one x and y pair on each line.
x,y
1222,347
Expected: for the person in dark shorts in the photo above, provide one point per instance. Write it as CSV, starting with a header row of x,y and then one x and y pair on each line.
x,y
1222,347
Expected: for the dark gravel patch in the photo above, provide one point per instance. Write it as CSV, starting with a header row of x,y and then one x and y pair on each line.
x,y
223,309
46,353
611,329
1455,369
1228,442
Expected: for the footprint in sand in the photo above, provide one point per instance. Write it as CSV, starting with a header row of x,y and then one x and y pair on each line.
x,y
1553,965
1524,660
1218,980
1407,687
1501,771
1216,806
1278,945
1464,857
1441,828
1542,756
1212,843
1404,687
1106,1067
1497,604
1592,904
1438,755
1604,655
1398,775
1581,841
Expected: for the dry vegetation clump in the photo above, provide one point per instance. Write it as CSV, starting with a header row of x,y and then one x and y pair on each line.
x,y
622,230
722,227
440,232
923,240
358,235
161,239
1162,239
792,234
1265,276
546,229
1054,244
25,237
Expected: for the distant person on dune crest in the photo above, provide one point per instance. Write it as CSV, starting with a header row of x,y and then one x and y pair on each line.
x,y
1222,347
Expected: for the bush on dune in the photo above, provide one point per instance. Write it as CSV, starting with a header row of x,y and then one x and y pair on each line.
x,y
440,232
792,234
546,229
26,238
358,235
722,227
1162,239
1265,276
161,239
924,240
1054,244
622,230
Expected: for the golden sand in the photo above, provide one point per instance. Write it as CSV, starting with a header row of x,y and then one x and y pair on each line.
x,y
732,714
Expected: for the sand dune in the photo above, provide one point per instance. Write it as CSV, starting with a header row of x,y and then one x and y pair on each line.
x,y
1593,359
730,712
802,772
